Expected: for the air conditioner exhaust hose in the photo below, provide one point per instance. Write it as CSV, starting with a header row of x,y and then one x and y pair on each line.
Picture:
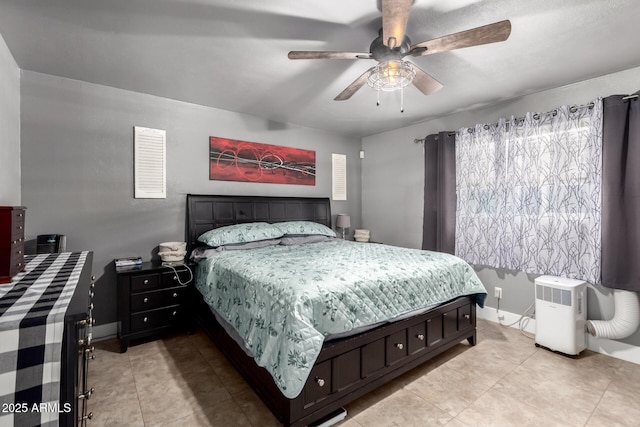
x,y
625,321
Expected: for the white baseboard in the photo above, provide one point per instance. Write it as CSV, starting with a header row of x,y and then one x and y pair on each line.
x,y
613,348
506,318
101,332
617,349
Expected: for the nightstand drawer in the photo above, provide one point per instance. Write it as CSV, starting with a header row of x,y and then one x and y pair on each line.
x,y
157,299
170,279
144,282
155,318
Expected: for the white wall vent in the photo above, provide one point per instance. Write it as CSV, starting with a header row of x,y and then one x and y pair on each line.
x,y
339,176
150,160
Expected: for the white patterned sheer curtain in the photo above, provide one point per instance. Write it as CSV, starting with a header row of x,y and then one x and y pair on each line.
x,y
528,193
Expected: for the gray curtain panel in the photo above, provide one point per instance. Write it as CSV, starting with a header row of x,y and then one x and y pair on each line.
x,y
439,221
621,193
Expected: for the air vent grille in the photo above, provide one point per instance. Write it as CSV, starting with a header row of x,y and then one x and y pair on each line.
x,y
150,163
554,295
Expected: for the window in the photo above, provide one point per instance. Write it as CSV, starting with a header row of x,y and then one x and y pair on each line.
x,y
528,193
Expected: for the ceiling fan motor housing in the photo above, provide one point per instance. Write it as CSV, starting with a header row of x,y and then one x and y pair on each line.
x,y
380,52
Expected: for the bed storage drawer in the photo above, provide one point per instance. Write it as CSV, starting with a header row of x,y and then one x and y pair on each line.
x,y
417,339
464,317
396,347
318,384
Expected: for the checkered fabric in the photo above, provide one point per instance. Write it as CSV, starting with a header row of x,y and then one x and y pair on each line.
x,y
32,310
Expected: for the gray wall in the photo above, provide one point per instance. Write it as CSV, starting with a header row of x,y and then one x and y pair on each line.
x,y
77,163
392,182
9,128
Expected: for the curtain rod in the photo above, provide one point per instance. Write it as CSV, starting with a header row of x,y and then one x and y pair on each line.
x,y
536,116
421,140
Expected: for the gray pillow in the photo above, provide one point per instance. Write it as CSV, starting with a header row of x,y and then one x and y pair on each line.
x,y
300,240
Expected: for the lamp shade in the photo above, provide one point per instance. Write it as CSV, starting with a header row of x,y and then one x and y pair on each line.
x,y
343,221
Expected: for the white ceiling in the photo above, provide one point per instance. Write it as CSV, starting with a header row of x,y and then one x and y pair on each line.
x,y
232,54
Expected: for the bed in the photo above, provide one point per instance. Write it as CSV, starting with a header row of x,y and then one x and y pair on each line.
x,y
336,368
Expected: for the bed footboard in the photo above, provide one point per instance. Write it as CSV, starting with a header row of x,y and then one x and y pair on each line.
x,y
349,368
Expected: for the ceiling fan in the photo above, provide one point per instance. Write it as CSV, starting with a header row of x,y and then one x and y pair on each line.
x,y
392,45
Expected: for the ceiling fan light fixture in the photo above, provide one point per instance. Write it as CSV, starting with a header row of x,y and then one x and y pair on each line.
x,y
391,75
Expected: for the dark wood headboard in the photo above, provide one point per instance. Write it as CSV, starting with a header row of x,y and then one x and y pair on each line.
x,y
205,212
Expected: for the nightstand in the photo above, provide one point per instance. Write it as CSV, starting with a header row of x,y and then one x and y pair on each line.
x,y
151,300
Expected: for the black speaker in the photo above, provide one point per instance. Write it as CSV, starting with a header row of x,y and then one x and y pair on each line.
x,y
50,243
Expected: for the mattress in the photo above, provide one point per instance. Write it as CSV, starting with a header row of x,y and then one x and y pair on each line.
x,y
285,301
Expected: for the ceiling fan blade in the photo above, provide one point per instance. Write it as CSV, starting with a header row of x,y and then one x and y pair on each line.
x,y
424,82
491,33
353,87
395,14
310,54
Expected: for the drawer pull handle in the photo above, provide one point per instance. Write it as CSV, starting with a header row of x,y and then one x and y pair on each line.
x,y
146,281
20,215
19,252
14,242
20,227
145,320
84,342
145,300
175,312
87,394
400,346
320,381
466,316
88,321
420,337
175,295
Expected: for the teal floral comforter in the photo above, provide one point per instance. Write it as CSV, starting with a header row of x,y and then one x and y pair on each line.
x,y
284,300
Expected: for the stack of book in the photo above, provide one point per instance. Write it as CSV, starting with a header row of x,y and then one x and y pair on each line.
x,y
128,262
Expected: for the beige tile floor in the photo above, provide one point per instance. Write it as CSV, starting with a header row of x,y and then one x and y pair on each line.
x,y
184,380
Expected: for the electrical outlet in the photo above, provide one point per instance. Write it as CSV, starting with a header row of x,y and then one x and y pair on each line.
x,y
497,292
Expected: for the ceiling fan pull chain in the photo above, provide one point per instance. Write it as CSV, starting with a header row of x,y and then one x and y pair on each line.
x,y
378,100
402,99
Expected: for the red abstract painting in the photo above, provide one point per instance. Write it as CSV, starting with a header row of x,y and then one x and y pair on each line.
x,y
233,160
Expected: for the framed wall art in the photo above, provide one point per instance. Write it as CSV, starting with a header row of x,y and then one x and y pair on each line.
x,y
234,160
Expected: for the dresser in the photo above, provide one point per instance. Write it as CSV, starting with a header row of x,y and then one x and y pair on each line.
x,y
11,241
151,300
46,318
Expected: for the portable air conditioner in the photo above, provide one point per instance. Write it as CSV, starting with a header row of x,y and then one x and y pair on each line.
x,y
561,306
